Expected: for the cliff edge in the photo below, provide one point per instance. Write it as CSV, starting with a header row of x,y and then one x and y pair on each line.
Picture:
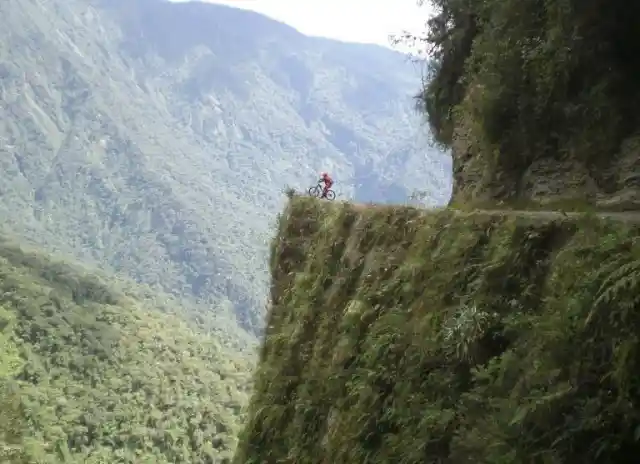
x,y
405,336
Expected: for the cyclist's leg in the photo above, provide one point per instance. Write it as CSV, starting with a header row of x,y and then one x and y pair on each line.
x,y
327,186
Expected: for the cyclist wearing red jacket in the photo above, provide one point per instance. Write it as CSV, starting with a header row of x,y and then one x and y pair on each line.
x,y
328,182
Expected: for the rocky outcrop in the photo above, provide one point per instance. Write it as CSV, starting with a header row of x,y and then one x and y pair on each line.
x,y
482,178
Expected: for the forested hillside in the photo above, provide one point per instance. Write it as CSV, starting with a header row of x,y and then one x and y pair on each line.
x,y
154,139
90,375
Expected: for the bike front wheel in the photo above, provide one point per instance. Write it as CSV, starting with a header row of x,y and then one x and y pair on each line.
x,y
315,191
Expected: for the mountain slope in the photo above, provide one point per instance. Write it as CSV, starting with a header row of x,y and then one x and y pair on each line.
x,y
401,335
154,139
94,376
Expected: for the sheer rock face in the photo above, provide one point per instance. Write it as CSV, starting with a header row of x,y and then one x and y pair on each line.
x,y
482,177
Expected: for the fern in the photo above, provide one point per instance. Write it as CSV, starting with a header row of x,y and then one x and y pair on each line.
x,y
621,281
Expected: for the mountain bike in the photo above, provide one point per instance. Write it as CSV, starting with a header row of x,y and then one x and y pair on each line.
x,y
317,192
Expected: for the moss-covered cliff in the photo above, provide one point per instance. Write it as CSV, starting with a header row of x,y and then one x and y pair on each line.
x,y
403,336
538,100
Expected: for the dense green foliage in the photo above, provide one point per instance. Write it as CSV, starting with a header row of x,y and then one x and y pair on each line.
x,y
550,78
154,138
89,375
399,335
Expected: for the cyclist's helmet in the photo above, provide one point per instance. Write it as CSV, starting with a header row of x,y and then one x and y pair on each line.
x,y
323,174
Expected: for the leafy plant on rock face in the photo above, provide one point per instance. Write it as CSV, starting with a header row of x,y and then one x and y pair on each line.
x,y
465,328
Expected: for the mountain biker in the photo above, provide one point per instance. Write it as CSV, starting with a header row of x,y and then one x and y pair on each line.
x,y
328,182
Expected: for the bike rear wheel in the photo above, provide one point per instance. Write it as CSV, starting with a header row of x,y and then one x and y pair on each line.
x,y
317,192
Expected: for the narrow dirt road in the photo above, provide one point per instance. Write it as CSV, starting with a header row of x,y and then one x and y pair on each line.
x,y
625,216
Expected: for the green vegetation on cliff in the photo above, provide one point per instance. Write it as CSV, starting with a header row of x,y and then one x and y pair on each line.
x,y
89,375
403,336
538,99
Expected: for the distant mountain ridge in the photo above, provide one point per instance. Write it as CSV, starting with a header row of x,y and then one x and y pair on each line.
x,y
154,139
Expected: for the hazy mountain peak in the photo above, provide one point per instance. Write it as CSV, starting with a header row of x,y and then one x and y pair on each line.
x,y
156,138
